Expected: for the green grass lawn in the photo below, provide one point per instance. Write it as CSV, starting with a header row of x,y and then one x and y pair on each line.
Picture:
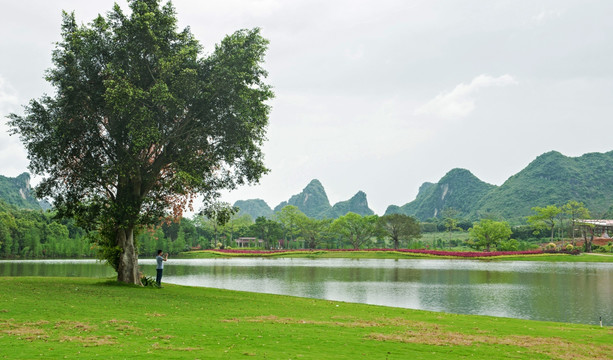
x,y
89,318
563,258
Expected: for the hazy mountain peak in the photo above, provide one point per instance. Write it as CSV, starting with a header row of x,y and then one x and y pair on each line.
x,y
357,204
458,189
18,192
254,207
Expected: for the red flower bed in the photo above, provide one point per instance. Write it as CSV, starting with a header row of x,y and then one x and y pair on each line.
x,y
471,253
452,253
237,251
467,254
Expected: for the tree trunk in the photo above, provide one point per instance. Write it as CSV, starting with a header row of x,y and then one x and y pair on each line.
x,y
573,230
355,242
588,244
127,270
552,227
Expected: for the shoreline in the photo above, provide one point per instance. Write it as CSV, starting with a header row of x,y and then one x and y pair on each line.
x,y
391,254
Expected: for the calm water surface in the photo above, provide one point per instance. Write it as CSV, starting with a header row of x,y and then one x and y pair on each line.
x,y
567,292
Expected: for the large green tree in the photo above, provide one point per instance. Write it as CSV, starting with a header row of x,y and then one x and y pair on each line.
x,y
217,215
356,229
314,231
451,220
400,227
141,121
488,233
575,211
545,218
268,230
289,217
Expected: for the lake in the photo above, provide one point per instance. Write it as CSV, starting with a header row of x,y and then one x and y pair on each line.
x,y
565,292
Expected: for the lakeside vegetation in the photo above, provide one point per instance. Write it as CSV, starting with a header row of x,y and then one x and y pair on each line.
x,y
391,254
28,234
197,323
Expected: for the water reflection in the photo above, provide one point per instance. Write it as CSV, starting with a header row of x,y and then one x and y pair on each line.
x,y
63,268
568,292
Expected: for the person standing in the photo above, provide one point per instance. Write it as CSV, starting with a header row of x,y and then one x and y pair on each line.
x,y
159,259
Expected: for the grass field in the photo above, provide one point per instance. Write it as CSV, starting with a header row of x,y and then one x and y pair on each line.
x,y
87,318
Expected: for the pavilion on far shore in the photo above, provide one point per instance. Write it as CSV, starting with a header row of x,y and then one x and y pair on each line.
x,y
601,227
595,232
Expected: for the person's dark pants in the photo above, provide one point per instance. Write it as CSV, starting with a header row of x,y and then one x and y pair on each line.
x,y
158,278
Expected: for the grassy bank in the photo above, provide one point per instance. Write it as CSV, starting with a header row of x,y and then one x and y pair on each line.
x,y
563,258
207,254
88,318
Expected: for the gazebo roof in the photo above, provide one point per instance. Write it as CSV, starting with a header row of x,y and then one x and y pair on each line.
x,y
606,223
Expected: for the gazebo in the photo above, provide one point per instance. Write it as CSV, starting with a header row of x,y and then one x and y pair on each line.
x,y
594,228
247,241
599,226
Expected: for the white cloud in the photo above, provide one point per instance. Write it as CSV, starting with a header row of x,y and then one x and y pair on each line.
x,y
460,101
547,14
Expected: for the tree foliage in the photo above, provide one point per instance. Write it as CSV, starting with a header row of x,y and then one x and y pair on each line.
x,y
575,211
28,233
267,230
451,219
545,218
289,217
314,231
400,227
141,122
488,233
356,229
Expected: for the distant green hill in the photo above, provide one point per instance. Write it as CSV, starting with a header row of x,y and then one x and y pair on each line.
x,y
608,214
458,189
551,179
357,204
17,192
554,179
312,201
254,207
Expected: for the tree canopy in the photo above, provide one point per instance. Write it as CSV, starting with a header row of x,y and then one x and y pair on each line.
x,y
489,233
140,122
545,217
400,227
356,229
267,230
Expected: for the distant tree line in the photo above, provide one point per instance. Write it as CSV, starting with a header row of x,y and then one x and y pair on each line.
x,y
37,234
34,234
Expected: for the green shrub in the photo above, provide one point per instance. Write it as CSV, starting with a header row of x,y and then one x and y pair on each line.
x,y
509,245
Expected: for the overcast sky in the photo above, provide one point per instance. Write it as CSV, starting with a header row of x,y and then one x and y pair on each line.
x,y
380,96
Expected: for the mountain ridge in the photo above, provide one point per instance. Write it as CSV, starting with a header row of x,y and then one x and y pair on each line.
x,y
18,192
458,189
550,179
313,202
